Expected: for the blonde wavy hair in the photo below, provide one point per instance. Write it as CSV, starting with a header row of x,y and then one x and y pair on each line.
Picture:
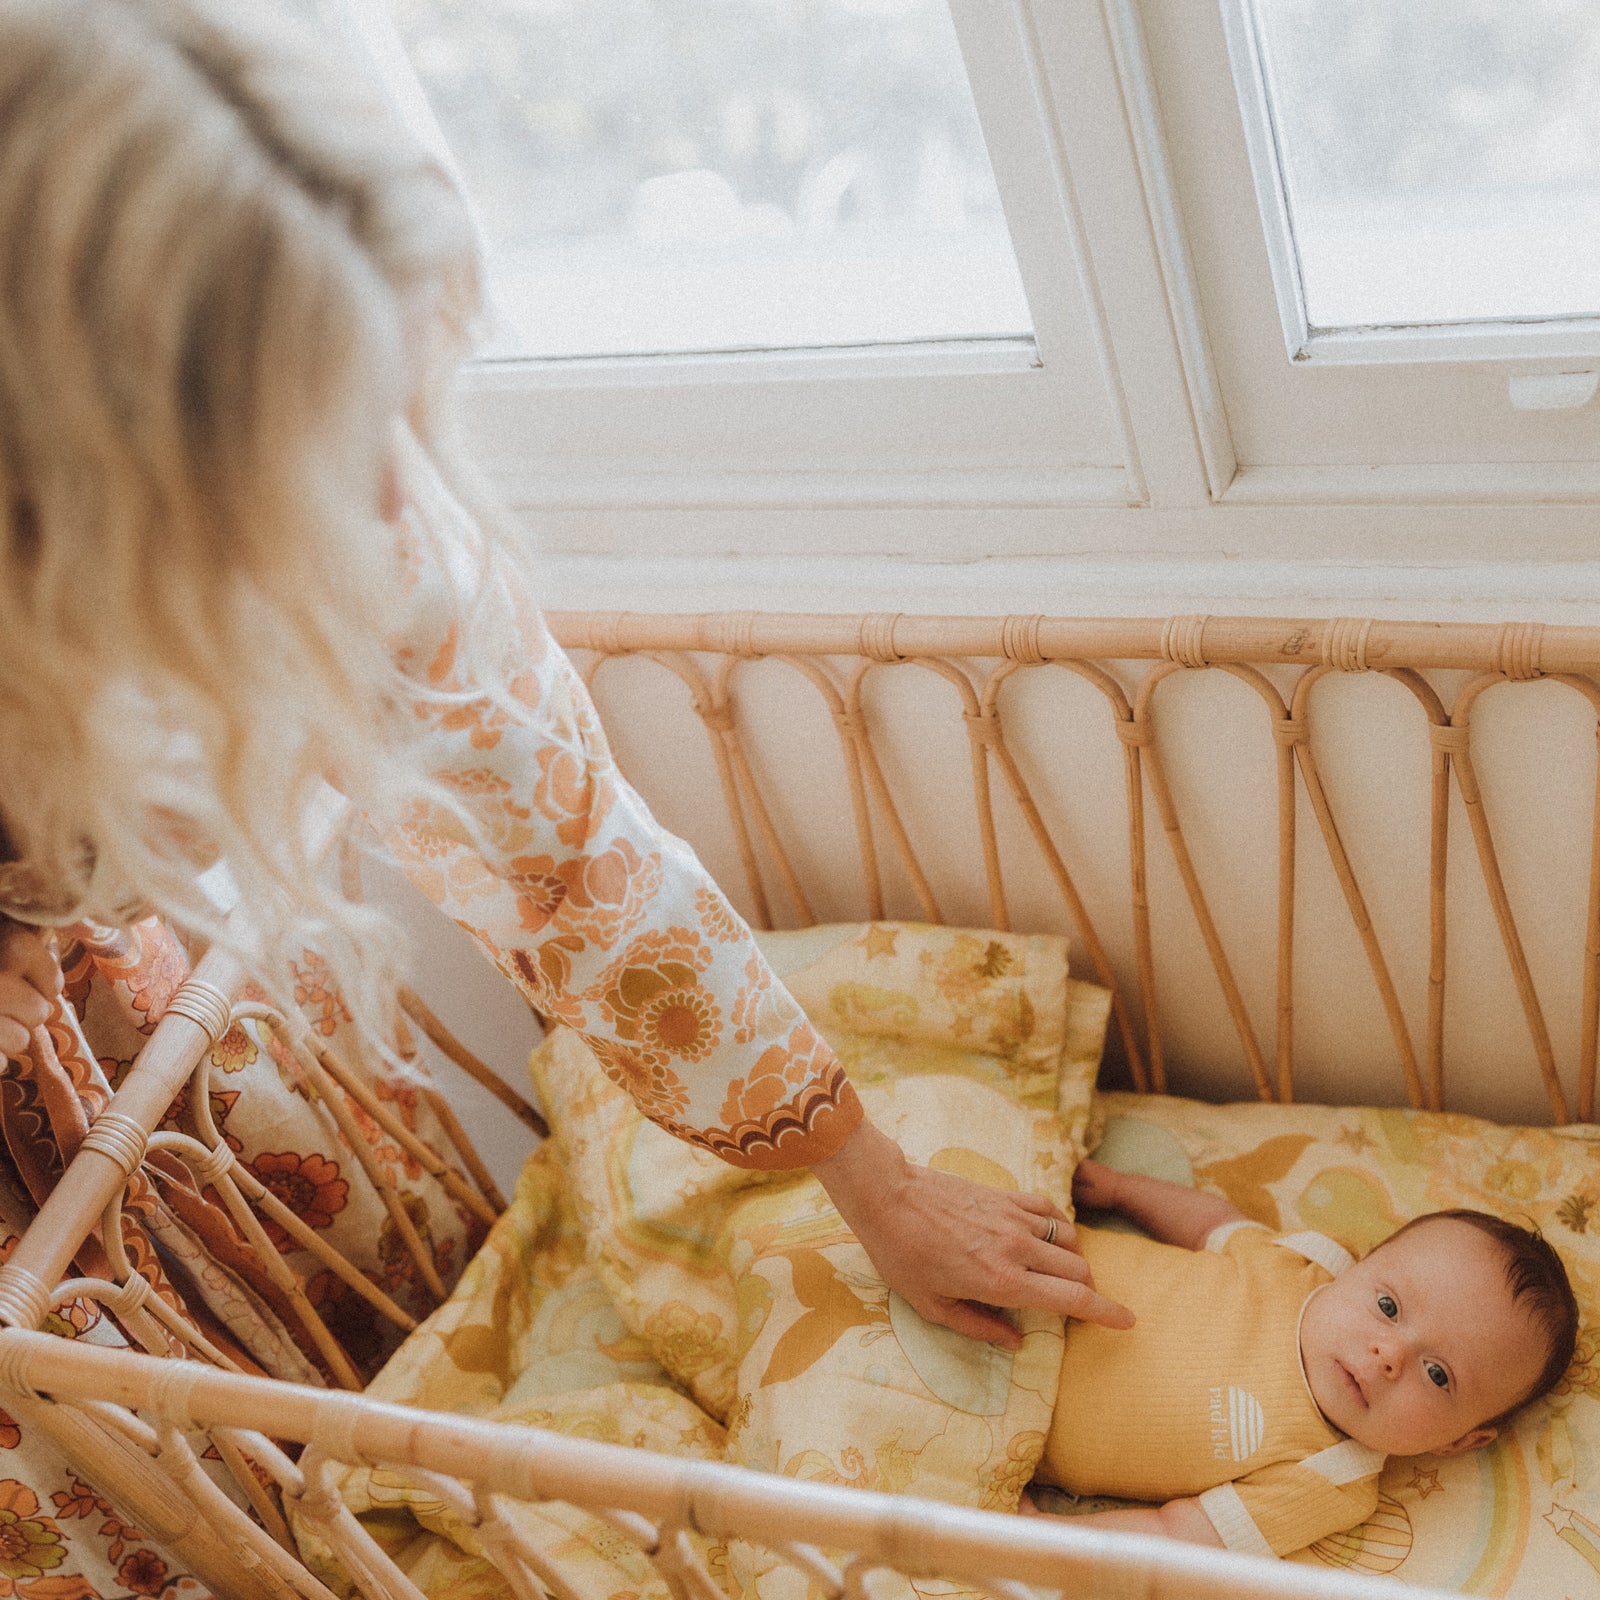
x,y
224,275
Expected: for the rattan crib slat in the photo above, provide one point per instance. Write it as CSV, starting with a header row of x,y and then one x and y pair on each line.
x,y
728,727
333,1098
1055,865
417,1010
885,799
915,1537
1459,731
73,1207
1167,807
1354,899
422,1153
465,1149
718,721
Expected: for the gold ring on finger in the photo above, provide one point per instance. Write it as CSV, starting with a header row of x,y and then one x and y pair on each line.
x,y
1050,1231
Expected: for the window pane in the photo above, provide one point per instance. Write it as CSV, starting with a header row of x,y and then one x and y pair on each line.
x,y
674,175
1441,158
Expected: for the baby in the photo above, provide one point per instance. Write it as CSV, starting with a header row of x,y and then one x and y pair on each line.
x,y
1268,1376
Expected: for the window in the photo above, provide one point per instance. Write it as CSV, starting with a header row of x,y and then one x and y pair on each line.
x,y
1428,172
661,176
786,200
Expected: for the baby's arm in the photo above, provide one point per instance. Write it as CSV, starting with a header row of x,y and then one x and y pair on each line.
x,y
1177,1519
1166,1211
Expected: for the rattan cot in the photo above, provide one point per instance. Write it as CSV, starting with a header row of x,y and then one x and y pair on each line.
x,y
130,1422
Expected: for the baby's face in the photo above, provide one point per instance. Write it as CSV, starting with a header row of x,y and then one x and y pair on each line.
x,y
1411,1349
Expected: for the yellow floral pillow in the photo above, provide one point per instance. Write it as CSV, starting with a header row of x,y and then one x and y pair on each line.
x,y
747,1288
641,1290
1520,1518
1000,1007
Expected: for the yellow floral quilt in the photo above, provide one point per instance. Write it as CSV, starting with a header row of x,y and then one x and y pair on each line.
x,y
1521,1517
643,1292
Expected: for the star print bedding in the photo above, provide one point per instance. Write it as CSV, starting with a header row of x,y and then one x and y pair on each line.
x,y
642,1291
1521,1517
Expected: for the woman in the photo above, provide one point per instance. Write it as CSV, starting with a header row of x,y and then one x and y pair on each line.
x,y
238,560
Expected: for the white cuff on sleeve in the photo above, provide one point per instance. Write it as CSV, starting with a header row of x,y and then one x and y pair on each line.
x,y
1235,1526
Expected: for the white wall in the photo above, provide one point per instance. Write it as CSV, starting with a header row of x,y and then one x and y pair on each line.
x,y
449,970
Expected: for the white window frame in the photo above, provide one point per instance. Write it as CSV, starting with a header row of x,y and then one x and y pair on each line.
x,y
1115,134
1480,339
979,423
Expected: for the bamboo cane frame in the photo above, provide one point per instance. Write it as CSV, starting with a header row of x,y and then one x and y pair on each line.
x,y
652,1501
836,655
996,1554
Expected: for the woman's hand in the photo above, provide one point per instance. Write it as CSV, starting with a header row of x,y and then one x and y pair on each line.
x,y
30,978
952,1249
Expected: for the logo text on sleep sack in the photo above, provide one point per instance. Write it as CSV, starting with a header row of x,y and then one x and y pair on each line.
x,y
1237,1424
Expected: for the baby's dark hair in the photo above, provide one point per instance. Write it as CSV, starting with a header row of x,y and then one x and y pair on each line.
x,y
1538,1280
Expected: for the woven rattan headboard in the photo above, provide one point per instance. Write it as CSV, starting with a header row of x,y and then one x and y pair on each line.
x,y
1417,741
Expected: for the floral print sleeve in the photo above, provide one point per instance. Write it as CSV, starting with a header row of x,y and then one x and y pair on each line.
x,y
608,923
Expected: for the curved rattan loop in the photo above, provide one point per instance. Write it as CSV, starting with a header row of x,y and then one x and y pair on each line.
x,y
879,788
1355,901
1143,704
212,1166
1056,865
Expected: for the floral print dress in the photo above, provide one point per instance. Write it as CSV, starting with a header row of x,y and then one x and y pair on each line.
x,y
605,921
531,841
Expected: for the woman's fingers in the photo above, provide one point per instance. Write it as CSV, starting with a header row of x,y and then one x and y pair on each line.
x,y
1070,1298
26,953
13,1037
1057,1261
977,1322
1038,1212
30,977
22,1003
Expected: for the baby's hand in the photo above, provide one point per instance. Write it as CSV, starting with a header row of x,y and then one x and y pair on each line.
x,y
1094,1186
30,977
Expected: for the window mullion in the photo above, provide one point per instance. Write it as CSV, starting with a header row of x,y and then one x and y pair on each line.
x,y
1106,134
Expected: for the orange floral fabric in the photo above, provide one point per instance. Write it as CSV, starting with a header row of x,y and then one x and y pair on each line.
x,y
538,847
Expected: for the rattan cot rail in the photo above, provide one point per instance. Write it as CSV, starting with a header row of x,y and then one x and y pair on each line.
x,y
85,1399
978,656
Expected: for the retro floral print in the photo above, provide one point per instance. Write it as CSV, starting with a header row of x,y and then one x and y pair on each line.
x,y
605,921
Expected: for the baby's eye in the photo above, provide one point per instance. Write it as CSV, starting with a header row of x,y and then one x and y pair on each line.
x,y
1437,1374
1387,1305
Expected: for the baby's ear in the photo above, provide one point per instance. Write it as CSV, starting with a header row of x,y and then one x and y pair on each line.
x,y
1472,1439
